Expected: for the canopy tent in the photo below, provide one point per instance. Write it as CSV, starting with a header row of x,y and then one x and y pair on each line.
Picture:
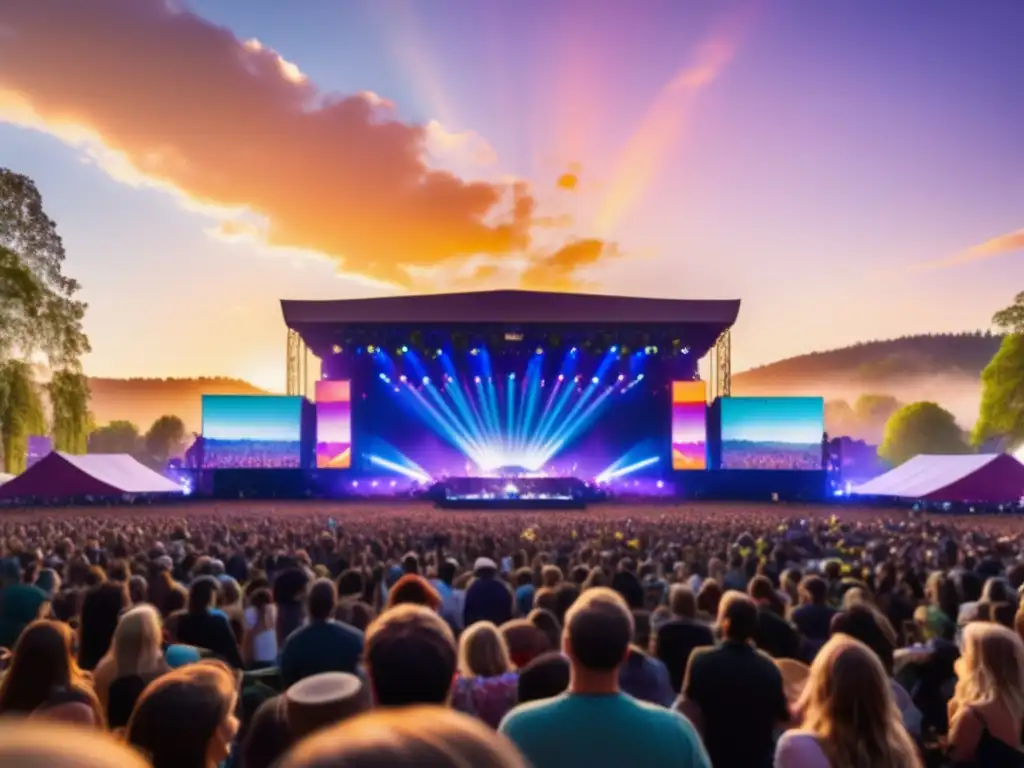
x,y
62,476
991,478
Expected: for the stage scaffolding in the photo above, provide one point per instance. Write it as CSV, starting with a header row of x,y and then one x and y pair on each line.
x,y
721,367
297,360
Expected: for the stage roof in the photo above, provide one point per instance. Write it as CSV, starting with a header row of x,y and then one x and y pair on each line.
x,y
60,475
509,307
993,478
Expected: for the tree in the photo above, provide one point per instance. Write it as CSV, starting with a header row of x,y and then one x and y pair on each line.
x,y
1001,418
49,317
22,415
115,437
921,428
69,403
1011,319
165,439
39,314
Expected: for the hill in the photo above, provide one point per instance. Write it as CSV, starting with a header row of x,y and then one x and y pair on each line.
x,y
143,401
945,368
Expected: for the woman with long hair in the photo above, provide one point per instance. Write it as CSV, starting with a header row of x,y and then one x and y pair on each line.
x,y
487,683
135,659
42,663
259,643
849,716
201,627
186,719
987,709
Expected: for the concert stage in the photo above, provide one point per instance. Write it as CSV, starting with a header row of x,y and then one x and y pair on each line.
x,y
580,396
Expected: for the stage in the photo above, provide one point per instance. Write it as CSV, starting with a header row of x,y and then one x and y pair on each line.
x,y
509,399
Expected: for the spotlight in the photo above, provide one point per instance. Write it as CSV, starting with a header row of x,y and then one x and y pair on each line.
x,y
336,349
371,349
383,377
373,484
476,379
686,350
654,350
640,377
613,350
403,378
621,376
572,351
355,483
512,376
440,352
426,380
474,351
561,377
595,380
660,484
540,351
404,349
394,483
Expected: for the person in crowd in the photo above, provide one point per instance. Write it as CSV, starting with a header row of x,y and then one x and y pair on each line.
x,y
813,616
848,716
424,736
259,641
525,641
134,660
320,701
676,639
186,719
545,677
986,712
289,589
201,627
487,683
323,645
561,731
42,662
20,603
452,599
413,588
734,688
46,744
410,657
76,705
548,623
775,636
488,597
101,610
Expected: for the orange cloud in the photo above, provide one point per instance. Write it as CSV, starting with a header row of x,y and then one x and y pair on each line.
x,y
997,246
559,270
230,125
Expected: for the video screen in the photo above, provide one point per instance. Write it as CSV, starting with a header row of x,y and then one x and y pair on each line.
x,y
559,412
333,424
772,432
252,432
689,425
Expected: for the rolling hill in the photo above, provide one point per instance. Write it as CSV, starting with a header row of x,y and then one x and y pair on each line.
x,y
944,368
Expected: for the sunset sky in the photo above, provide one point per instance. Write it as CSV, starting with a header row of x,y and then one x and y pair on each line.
x,y
850,170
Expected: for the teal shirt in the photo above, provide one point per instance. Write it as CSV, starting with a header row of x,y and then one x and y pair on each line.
x,y
575,731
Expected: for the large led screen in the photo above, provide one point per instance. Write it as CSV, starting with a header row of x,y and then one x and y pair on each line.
x,y
772,432
252,431
333,424
689,425
599,416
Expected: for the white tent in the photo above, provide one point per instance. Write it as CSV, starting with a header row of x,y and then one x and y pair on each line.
x,y
985,478
5,477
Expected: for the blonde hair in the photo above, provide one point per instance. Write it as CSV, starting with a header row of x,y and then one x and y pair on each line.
x,y
432,736
483,651
40,744
848,705
137,642
991,668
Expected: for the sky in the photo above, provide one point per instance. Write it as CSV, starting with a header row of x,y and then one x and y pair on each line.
x,y
850,170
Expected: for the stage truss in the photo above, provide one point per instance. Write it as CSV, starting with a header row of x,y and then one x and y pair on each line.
x,y
297,357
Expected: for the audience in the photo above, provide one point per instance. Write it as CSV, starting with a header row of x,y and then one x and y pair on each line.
x,y
836,638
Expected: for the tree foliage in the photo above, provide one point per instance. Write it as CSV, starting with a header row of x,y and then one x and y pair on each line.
x,y
165,439
1011,319
1000,422
115,437
22,415
69,403
48,317
876,409
921,428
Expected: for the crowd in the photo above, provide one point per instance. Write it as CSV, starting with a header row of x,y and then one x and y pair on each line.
x,y
251,454
302,635
771,456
